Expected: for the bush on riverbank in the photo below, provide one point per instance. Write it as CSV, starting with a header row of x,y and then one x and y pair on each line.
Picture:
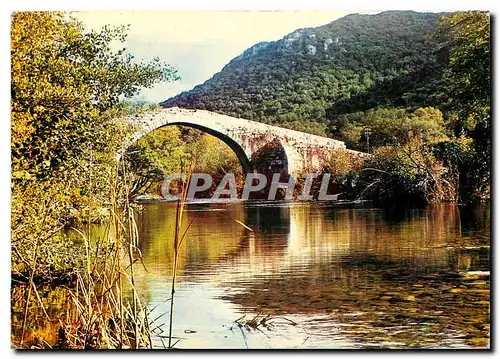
x,y
67,99
67,87
402,176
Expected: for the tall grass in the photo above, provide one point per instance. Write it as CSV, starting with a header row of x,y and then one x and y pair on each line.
x,y
178,240
106,311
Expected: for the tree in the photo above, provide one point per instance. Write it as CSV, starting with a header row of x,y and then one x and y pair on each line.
x,y
67,94
467,34
296,82
66,88
390,126
174,149
153,157
468,79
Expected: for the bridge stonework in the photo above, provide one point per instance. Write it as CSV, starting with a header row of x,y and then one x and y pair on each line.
x,y
302,151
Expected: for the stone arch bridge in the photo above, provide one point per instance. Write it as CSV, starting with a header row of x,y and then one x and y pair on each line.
x,y
257,145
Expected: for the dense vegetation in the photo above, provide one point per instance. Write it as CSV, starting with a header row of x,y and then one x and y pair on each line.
x,y
419,82
405,76
69,95
454,148
68,90
65,101
295,81
175,149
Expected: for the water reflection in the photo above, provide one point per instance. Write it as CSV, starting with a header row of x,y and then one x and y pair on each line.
x,y
351,277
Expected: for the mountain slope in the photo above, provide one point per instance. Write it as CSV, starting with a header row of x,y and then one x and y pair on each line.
x,y
312,75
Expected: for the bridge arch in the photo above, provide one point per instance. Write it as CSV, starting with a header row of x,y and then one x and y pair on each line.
x,y
244,137
233,145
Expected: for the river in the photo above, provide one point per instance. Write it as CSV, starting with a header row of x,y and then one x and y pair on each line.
x,y
311,275
327,276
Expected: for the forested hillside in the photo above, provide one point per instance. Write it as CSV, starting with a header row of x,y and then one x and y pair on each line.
x,y
411,88
305,79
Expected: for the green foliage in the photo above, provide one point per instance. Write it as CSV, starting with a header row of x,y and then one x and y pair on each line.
x,y
389,126
66,88
468,36
402,176
464,163
406,76
469,79
173,149
67,93
295,81
462,92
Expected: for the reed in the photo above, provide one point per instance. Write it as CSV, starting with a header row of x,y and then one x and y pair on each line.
x,y
105,310
178,240
105,316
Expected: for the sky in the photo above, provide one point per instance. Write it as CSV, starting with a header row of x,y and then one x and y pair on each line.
x,y
199,43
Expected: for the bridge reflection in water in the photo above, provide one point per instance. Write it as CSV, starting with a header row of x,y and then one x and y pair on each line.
x,y
371,279
287,235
